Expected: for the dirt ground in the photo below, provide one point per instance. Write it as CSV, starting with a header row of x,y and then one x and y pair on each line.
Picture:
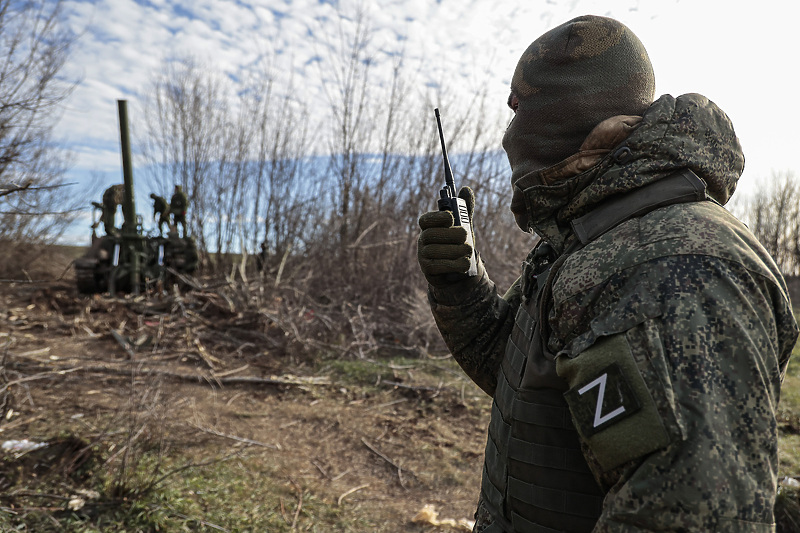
x,y
377,452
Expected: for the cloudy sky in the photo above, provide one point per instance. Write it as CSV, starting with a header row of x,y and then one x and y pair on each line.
x,y
743,56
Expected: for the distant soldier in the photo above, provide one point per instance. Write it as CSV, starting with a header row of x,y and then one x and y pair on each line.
x,y
261,258
112,197
177,206
160,209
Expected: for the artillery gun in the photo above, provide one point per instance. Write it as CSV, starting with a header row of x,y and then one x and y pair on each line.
x,y
130,260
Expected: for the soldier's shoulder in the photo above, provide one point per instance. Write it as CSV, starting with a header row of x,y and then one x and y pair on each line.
x,y
697,228
703,228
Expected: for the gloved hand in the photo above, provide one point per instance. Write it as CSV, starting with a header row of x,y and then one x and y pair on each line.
x,y
442,250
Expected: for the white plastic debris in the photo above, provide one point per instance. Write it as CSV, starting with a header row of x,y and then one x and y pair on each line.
x,y
88,493
76,504
790,482
429,515
78,501
22,446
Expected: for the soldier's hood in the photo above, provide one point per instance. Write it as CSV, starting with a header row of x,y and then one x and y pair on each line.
x,y
625,153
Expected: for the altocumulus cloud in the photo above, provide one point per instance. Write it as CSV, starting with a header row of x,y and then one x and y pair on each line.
x,y
461,44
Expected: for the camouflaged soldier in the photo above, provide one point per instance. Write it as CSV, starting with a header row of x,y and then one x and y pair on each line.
x,y
112,197
635,366
160,210
177,206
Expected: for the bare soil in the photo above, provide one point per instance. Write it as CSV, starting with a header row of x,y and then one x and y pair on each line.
x,y
378,452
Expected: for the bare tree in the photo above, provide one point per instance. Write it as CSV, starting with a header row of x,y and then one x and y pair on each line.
x,y
340,229
35,46
346,82
186,118
773,214
282,182
259,102
240,152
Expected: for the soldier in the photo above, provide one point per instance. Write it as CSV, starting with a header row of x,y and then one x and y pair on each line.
x,y
261,257
112,197
160,209
177,206
635,366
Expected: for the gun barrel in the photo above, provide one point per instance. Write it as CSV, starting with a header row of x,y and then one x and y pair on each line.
x,y
130,236
128,203
448,172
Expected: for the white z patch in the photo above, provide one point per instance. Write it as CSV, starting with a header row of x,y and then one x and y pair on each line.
x,y
599,418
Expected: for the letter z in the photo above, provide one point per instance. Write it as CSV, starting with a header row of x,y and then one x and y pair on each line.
x,y
599,418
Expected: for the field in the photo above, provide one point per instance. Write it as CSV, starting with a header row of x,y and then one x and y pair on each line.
x,y
148,429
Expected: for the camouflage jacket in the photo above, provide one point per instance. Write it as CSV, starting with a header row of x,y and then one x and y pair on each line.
x,y
684,297
160,205
178,202
114,195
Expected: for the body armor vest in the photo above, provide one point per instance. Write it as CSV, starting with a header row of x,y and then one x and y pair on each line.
x,y
535,477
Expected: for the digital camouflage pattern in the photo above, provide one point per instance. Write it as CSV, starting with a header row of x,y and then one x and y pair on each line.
x,y
685,296
687,132
709,325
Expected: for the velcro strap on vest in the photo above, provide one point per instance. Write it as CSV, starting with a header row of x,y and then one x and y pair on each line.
x,y
679,187
495,465
525,322
555,500
542,415
513,364
503,399
521,525
491,494
548,456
